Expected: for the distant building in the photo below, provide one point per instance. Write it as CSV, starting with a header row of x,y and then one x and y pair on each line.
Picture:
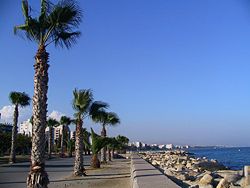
x,y
143,145
162,146
26,128
169,146
6,127
138,144
73,135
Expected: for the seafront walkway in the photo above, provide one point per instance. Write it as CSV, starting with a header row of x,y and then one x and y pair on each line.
x,y
115,174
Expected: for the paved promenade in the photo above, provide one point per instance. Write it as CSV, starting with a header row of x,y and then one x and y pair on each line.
x,y
112,175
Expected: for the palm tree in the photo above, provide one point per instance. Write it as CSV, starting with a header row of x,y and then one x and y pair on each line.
x,y
22,100
123,140
86,141
70,146
65,122
55,24
98,142
81,103
105,118
51,123
114,144
85,107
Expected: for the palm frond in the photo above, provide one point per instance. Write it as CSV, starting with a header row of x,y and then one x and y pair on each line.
x,y
98,142
55,24
106,118
67,39
25,9
65,120
19,98
81,101
51,122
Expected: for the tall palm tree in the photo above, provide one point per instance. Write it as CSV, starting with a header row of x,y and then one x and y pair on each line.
x,y
81,103
105,118
65,122
55,25
22,100
85,107
51,123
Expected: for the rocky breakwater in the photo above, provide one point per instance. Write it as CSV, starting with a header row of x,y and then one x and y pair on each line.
x,y
188,171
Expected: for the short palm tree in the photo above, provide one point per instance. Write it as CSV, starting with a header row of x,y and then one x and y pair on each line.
x,y
112,146
86,141
65,122
51,123
105,118
22,100
98,142
56,24
70,146
85,107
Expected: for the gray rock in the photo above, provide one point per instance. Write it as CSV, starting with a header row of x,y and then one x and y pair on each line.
x,y
232,178
206,180
206,186
223,184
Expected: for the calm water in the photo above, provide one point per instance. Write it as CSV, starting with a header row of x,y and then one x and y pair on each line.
x,y
234,158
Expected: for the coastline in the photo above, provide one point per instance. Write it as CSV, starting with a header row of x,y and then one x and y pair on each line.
x,y
189,171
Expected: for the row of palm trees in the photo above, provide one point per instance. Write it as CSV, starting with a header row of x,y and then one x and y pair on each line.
x,y
57,24
85,107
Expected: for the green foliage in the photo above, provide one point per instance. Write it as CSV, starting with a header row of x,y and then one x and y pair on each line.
x,y
81,102
52,122
5,142
106,118
19,98
31,120
70,145
123,142
65,121
114,143
23,143
122,139
86,140
98,142
55,24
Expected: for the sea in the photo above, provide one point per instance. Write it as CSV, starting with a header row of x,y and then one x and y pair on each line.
x,y
234,158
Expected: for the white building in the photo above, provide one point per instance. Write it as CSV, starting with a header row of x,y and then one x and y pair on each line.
x,y
162,146
26,128
72,135
169,146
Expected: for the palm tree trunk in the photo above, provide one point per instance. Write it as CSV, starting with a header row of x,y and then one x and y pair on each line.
x,y
13,137
112,154
104,149
62,139
109,154
50,142
37,176
95,163
79,168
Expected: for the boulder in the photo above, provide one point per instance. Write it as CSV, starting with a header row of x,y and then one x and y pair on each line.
x,y
183,177
223,184
206,186
206,180
232,178
168,172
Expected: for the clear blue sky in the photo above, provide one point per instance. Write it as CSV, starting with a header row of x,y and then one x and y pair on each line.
x,y
175,71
